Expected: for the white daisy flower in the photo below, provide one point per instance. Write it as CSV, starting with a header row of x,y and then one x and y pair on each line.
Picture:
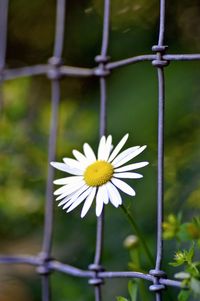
x,y
97,177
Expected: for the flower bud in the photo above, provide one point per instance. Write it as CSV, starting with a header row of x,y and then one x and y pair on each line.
x,y
131,241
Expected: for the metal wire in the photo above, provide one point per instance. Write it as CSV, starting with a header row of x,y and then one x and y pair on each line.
x,y
101,60
3,35
3,39
54,70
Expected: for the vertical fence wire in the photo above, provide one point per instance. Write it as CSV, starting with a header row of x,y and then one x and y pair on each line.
x,y
60,28
55,97
46,287
3,34
161,107
159,63
162,23
102,120
54,76
3,42
101,60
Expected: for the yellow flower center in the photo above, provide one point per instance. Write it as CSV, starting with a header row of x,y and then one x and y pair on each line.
x,y
98,173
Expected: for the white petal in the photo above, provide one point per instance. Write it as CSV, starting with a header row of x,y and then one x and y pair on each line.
x,y
67,189
65,200
72,197
101,148
113,194
80,199
132,166
123,186
68,203
64,167
118,148
88,202
124,154
128,175
68,180
63,195
99,203
104,193
109,147
104,148
89,153
74,164
80,157
129,156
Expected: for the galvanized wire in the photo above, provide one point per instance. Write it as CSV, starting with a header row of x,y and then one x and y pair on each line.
x,y
55,70
3,40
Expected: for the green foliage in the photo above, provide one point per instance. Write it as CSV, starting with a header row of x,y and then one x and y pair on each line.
x,y
184,256
120,298
186,259
174,228
133,291
183,295
171,226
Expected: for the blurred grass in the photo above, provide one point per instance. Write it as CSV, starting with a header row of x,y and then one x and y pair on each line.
x,y
132,107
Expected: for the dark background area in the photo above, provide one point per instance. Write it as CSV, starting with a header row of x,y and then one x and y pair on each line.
x,y
132,108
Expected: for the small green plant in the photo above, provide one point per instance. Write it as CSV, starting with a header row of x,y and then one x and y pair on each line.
x,y
187,259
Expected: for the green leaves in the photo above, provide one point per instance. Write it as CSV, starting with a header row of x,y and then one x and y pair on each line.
x,y
195,286
119,298
133,291
171,226
194,289
182,257
182,232
183,296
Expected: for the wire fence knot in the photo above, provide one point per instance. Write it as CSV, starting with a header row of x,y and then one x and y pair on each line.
x,y
101,70
43,268
157,286
96,280
159,61
54,68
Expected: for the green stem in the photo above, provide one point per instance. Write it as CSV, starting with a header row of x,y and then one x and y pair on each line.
x,y
143,291
137,231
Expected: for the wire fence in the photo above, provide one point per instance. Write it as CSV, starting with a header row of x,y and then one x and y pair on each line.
x,y
55,70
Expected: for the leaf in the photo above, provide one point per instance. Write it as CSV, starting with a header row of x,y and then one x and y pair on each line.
x,y
175,264
193,269
133,289
183,295
195,286
134,267
183,234
120,298
190,254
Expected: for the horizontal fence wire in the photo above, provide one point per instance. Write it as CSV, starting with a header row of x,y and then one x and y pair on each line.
x,y
55,70
70,71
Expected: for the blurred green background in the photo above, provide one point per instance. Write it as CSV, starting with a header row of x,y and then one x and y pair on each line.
x,y
132,108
